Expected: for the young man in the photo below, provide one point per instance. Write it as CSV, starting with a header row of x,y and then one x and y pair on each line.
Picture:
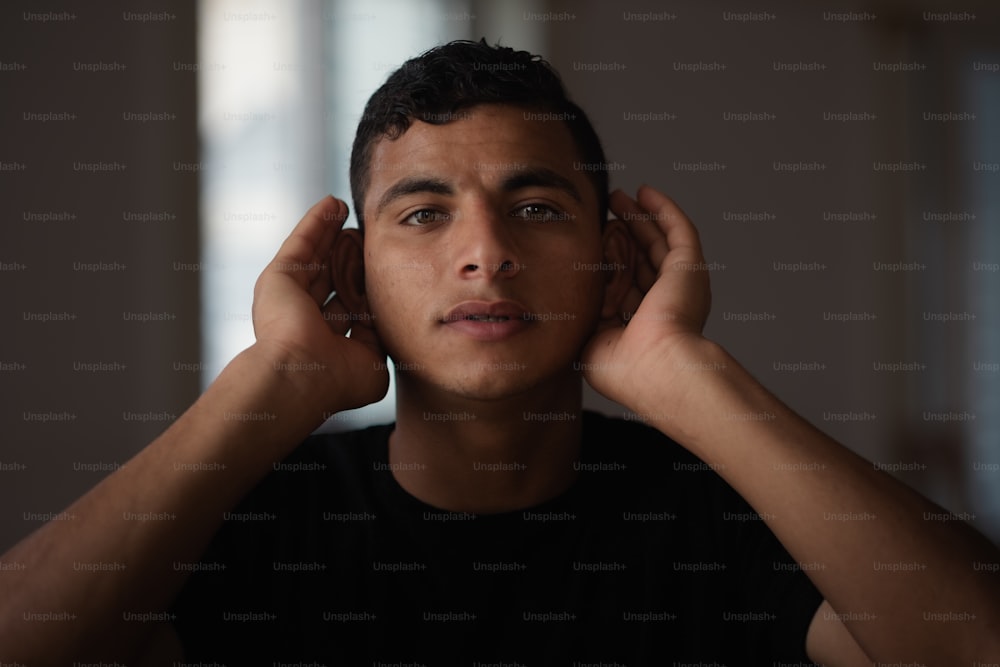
x,y
495,522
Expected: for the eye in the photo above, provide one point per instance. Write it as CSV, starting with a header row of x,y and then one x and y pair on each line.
x,y
424,216
538,213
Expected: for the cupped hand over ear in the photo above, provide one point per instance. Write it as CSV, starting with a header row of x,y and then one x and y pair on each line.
x,y
307,300
662,312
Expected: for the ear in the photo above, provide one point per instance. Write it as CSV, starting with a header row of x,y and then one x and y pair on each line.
x,y
348,274
619,253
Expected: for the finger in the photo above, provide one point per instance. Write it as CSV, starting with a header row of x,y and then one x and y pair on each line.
x,y
321,288
322,283
630,304
310,240
337,317
679,230
320,224
645,273
643,224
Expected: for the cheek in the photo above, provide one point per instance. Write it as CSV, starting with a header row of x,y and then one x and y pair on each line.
x,y
578,280
586,298
397,291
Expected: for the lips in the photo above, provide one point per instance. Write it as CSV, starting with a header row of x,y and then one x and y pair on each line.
x,y
487,321
482,311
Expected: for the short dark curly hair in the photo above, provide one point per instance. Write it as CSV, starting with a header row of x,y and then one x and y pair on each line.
x,y
435,86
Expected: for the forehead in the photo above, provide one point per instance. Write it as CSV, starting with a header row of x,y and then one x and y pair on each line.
x,y
481,145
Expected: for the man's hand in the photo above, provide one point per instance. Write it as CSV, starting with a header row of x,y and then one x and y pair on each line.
x,y
303,329
663,313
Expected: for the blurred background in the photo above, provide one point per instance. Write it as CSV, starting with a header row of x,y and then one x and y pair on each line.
x,y
842,163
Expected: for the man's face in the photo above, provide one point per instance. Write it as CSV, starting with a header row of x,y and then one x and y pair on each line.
x,y
481,240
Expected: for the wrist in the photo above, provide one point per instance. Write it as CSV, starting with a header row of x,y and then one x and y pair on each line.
x,y
263,402
309,389
681,392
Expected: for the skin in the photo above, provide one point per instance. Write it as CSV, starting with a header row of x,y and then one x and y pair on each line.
x,y
392,286
417,270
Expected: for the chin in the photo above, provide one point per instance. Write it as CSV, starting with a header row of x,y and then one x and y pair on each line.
x,y
489,381
488,390
495,380
490,372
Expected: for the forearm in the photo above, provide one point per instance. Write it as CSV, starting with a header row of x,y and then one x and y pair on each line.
x,y
117,553
905,584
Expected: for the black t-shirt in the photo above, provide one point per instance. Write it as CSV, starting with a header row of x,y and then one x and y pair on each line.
x,y
649,558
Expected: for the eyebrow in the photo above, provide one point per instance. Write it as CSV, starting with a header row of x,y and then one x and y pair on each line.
x,y
412,185
540,177
518,179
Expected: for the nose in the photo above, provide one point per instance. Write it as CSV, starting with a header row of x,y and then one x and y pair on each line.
x,y
484,244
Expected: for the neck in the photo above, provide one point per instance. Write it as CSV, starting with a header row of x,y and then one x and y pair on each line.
x,y
486,456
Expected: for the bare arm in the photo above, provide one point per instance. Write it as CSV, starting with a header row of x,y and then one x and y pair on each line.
x,y
97,585
897,576
901,581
